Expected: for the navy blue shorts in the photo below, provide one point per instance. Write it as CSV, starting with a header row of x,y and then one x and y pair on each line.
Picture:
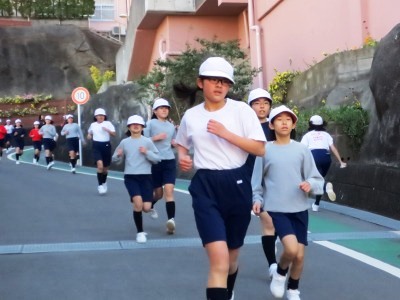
x,y
222,201
291,223
323,160
19,143
139,185
73,144
49,144
2,142
164,172
37,145
102,151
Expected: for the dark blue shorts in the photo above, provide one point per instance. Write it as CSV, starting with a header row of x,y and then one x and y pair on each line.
x,y
2,142
73,144
139,185
291,223
49,144
102,151
222,202
37,145
323,160
19,143
164,172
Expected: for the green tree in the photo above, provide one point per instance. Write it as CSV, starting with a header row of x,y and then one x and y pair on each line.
x,y
6,9
184,70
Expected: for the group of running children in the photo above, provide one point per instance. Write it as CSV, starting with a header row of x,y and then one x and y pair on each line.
x,y
246,162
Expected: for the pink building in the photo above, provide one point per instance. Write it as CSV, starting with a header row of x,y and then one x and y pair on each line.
x,y
278,34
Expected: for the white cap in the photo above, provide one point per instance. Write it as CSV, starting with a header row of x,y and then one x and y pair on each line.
x,y
280,109
8,120
216,67
69,116
36,123
316,120
48,118
160,102
18,121
135,119
258,93
99,111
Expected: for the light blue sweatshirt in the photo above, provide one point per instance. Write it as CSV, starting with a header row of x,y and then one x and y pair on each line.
x,y
277,176
136,162
154,127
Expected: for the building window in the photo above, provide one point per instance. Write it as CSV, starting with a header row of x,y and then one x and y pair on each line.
x,y
104,10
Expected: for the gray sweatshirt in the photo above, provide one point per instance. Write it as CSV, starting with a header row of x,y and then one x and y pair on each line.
x,y
136,162
72,130
48,131
277,176
154,127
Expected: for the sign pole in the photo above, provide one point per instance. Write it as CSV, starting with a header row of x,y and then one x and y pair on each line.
x,y
80,95
80,142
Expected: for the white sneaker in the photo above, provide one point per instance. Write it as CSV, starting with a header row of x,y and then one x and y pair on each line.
x,y
34,161
141,237
293,295
153,213
314,207
73,170
171,226
50,165
272,269
330,192
17,162
105,187
277,285
101,190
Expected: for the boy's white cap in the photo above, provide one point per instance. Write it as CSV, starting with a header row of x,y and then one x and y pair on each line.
x,y
48,118
160,102
135,119
18,121
258,93
280,109
316,120
216,67
99,111
8,120
69,116
36,123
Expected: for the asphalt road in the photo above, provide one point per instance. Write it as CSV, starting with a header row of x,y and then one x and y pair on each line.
x,y
60,240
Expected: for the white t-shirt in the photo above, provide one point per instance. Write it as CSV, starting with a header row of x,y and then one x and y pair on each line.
x,y
98,133
317,140
210,151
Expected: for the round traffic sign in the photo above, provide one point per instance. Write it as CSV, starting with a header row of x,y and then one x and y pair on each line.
x,y
80,95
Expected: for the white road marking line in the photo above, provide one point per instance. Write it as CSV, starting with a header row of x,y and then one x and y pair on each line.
x,y
362,257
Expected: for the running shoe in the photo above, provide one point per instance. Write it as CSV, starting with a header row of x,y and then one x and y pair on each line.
x,y
101,190
277,285
170,226
314,207
272,269
153,213
293,295
330,192
141,237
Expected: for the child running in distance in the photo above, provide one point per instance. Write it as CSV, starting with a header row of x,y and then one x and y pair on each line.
x,y
139,154
260,101
281,182
162,133
8,139
50,135
101,131
321,145
19,139
222,133
36,137
3,134
73,134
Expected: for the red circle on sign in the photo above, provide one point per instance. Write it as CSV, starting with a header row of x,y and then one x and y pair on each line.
x,y
80,95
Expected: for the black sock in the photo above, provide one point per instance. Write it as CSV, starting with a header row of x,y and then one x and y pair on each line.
x,y
281,271
17,156
268,243
104,177
138,219
231,283
47,160
317,199
153,203
293,284
73,162
100,178
217,294
170,206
